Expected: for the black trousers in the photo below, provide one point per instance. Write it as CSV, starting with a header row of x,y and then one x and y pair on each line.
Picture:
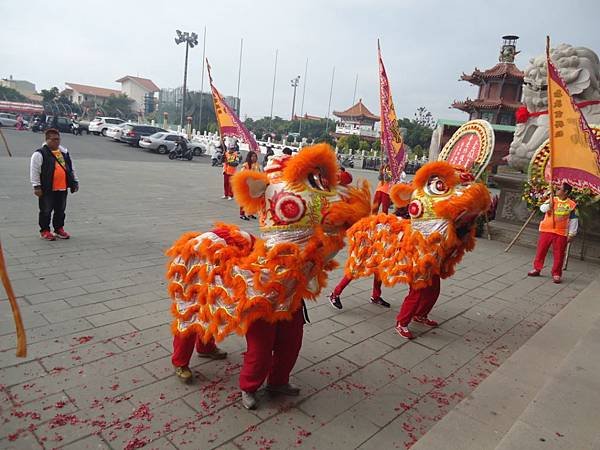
x,y
52,201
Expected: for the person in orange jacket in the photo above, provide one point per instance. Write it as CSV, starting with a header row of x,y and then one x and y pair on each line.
x,y
557,228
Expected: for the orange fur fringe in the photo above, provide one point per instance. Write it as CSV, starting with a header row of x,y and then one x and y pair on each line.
x,y
192,282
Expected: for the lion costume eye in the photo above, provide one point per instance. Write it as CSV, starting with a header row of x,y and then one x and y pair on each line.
x,y
437,186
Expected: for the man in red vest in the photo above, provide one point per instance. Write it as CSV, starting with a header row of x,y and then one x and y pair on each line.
x,y
557,228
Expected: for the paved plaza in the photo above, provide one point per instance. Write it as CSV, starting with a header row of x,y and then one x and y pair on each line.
x,y
98,372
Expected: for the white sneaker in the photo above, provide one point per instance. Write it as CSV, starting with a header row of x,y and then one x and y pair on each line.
x,y
224,197
230,198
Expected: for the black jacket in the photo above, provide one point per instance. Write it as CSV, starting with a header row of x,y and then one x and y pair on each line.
x,y
47,170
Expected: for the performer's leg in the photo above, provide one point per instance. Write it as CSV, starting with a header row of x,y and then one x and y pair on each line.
x,y
429,296
342,285
544,242
559,247
226,186
376,287
209,347
258,358
409,306
209,350
288,341
183,348
385,202
376,202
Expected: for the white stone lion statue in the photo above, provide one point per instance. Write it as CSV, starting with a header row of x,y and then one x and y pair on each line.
x,y
580,68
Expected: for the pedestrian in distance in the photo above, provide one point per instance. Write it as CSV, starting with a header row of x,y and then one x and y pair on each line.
x,y
52,175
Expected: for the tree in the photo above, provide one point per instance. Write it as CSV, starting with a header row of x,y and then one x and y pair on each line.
x,y
11,95
119,106
364,146
353,142
424,118
377,145
49,95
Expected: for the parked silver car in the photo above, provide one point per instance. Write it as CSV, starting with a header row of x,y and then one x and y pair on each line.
x,y
164,142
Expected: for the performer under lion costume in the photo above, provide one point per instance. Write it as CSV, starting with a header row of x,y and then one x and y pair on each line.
x,y
226,280
443,202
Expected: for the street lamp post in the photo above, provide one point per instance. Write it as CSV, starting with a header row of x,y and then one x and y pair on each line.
x,y
191,40
294,82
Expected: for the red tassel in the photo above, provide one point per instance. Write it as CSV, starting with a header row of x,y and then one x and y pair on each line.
x,y
522,115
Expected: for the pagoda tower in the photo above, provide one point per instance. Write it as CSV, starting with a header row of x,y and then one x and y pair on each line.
x,y
500,88
357,120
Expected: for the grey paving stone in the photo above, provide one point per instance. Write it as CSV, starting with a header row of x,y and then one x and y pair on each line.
x,y
366,351
288,429
54,295
326,372
107,316
348,430
214,430
89,443
47,332
97,297
409,355
75,313
324,348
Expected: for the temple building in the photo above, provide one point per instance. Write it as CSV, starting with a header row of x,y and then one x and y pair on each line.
x,y
357,120
498,98
500,88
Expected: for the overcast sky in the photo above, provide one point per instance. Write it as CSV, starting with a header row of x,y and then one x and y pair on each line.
x,y
426,45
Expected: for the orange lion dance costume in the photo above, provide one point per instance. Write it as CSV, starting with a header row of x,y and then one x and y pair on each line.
x,y
227,281
443,202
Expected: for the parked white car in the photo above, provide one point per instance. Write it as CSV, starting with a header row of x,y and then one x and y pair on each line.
x,y
164,142
8,120
100,124
115,131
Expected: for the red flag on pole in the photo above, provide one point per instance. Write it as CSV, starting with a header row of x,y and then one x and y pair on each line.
x,y
391,139
229,123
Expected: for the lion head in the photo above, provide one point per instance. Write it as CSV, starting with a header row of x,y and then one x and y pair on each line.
x,y
298,193
580,68
442,196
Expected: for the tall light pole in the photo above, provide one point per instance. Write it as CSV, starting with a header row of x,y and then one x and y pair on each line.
x,y
202,83
294,82
191,40
329,105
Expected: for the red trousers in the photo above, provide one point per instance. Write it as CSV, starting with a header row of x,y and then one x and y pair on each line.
x,y
272,350
227,191
183,347
419,302
383,199
346,281
559,246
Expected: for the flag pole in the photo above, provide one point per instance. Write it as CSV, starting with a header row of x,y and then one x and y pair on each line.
x,y
551,129
273,91
303,93
355,86
520,231
329,105
239,78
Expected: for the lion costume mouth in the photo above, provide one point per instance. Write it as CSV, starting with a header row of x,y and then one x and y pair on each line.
x,y
317,182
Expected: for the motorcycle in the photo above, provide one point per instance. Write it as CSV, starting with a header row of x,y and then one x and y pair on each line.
x,y
217,157
181,153
348,161
37,125
76,129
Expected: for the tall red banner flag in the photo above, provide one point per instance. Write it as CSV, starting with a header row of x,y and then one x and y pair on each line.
x,y
229,122
574,148
391,139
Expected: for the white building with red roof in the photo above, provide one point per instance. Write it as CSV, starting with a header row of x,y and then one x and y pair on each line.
x,y
137,88
79,93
